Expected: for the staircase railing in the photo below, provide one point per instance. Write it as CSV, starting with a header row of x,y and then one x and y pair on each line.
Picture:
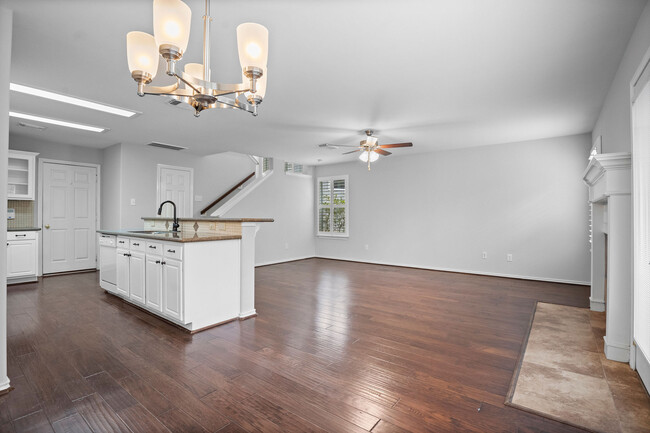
x,y
226,194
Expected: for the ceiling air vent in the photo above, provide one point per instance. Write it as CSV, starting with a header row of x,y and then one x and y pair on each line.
x,y
166,146
31,125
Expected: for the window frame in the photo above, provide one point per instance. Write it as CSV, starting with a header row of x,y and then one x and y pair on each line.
x,y
332,206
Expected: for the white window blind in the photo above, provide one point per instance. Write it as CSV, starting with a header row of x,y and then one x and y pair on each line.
x,y
266,164
292,167
333,206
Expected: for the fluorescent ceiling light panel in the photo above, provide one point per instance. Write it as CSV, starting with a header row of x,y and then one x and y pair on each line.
x,y
56,122
71,100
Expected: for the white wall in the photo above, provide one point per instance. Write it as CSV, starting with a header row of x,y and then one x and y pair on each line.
x,y
289,199
6,25
442,210
614,122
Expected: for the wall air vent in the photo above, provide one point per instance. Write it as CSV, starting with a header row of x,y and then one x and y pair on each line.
x,y
166,146
31,125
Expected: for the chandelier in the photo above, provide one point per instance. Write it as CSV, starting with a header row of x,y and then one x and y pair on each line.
x,y
171,32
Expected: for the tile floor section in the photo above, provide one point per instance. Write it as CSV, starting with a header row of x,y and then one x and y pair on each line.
x,y
564,374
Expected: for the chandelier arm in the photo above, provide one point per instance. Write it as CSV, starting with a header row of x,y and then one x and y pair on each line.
x,y
234,103
184,80
154,90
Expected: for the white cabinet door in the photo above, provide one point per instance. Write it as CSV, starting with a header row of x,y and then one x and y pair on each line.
x,y
153,283
122,265
136,277
21,258
172,289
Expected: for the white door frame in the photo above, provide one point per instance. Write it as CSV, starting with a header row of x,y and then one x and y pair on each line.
x,y
174,167
39,194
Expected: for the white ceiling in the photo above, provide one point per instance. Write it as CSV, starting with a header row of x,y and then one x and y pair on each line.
x,y
441,73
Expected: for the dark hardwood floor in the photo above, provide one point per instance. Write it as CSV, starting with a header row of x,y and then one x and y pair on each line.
x,y
337,346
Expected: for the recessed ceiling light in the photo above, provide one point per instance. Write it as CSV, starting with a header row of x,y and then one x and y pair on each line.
x,y
56,122
71,100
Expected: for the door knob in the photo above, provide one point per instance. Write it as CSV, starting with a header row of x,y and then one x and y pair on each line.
x,y
47,226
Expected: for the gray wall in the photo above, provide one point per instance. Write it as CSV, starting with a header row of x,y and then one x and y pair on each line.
x,y
442,210
290,201
49,150
213,175
615,119
111,185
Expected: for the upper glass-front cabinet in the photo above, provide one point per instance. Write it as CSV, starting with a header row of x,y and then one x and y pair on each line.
x,y
20,182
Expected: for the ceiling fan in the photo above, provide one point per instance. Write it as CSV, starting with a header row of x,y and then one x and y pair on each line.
x,y
369,147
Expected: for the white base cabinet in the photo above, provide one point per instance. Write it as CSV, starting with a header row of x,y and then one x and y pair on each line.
x,y
193,284
22,257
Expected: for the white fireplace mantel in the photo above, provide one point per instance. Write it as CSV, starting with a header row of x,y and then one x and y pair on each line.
x,y
609,179
608,174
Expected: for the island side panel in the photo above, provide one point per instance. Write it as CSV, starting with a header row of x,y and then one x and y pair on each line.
x,y
247,304
211,274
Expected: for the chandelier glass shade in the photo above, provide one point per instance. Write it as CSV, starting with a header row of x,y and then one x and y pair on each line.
x,y
172,22
368,156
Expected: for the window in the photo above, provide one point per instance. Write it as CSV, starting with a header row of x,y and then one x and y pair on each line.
x,y
333,206
267,164
292,167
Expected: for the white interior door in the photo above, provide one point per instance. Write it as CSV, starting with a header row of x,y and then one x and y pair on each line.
x,y
69,217
176,184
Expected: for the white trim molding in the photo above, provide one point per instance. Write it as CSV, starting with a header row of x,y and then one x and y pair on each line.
x,y
616,351
596,304
608,174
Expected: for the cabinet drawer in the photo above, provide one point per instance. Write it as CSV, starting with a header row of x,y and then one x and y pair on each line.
x,y
122,242
107,240
154,248
137,244
19,236
173,251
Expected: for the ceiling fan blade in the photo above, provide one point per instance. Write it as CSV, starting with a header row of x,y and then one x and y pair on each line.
x,y
389,146
352,151
383,152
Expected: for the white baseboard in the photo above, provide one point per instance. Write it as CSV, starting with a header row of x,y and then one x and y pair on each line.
x,y
465,271
596,304
616,351
248,314
289,259
4,383
643,367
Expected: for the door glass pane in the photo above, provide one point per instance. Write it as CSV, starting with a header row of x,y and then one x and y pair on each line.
x,y
338,222
325,193
324,220
339,192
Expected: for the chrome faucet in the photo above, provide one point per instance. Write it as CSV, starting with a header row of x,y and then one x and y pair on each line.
x,y
175,226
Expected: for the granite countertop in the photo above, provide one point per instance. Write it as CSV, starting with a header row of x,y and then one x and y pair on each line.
x,y
23,229
216,219
173,237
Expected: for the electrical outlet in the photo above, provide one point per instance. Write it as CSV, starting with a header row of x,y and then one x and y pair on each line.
x,y
132,202
484,254
286,245
366,247
198,198
509,257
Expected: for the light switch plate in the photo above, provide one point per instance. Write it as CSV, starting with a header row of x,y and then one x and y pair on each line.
x,y
132,202
198,198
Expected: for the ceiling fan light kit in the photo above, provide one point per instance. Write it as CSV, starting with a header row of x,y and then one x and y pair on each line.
x,y
172,20
369,147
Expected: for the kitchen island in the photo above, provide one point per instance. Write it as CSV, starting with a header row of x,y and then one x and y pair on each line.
x,y
197,278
